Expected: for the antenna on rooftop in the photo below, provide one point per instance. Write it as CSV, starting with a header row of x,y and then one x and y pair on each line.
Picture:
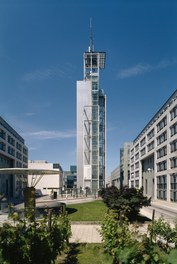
x,y
91,47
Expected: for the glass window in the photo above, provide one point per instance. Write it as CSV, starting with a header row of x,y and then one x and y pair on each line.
x,y
161,166
150,134
162,187
173,113
162,152
162,138
162,124
173,129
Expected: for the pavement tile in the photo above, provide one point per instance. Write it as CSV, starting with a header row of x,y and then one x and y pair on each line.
x,y
85,234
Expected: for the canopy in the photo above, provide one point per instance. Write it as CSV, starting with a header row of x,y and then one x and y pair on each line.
x,y
37,174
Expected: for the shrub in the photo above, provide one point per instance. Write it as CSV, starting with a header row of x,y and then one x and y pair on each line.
x,y
34,242
126,201
129,247
163,233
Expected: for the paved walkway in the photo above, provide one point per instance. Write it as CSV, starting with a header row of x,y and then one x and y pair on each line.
x,y
85,233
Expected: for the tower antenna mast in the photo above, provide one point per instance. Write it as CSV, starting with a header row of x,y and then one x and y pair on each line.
x,y
91,47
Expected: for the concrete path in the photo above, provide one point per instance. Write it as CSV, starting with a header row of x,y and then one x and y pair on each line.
x,y
85,233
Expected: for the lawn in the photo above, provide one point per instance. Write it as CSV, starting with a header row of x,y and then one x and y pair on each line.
x,y
85,254
91,211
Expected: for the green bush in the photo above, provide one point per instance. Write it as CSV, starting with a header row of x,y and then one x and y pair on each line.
x,y
126,201
163,233
129,246
34,242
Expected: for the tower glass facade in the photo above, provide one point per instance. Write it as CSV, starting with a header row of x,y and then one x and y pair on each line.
x,y
91,124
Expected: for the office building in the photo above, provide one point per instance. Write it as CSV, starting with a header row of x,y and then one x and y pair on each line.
x,y
125,164
153,163
115,177
91,123
13,154
47,183
70,178
121,174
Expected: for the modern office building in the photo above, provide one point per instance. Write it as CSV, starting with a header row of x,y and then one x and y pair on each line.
x,y
125,164
91,122
47,183
153,163
115,177
70,177
121,174
13,154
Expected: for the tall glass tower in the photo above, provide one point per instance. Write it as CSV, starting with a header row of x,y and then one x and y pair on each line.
x,y
91,122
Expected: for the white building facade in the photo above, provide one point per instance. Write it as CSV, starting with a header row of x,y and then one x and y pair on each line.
x,y
121,174
91,124
47,183
13,154
153,158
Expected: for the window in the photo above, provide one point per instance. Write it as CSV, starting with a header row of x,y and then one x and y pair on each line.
x,y
173,146
150,146
162,152
173,113
150,134
142,142
25,151
136,183
173,187
11,140
11,151
137,165
143,152
162,124
2,134
25,159
2,146
136,174
161,166
162,187
162,138
173,162
19,164
173,129
94,86
18,146
137,156
18,155
137,147
132,184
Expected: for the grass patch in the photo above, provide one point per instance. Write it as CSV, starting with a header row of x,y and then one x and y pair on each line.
x,y
91,211
85,254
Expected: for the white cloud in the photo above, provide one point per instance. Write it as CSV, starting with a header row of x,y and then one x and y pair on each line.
x,y
52,72
133,71
44,135
142,68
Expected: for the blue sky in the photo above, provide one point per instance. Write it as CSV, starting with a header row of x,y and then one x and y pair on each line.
x,y
41,48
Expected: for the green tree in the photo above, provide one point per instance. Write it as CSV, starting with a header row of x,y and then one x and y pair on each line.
x,y
126,201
